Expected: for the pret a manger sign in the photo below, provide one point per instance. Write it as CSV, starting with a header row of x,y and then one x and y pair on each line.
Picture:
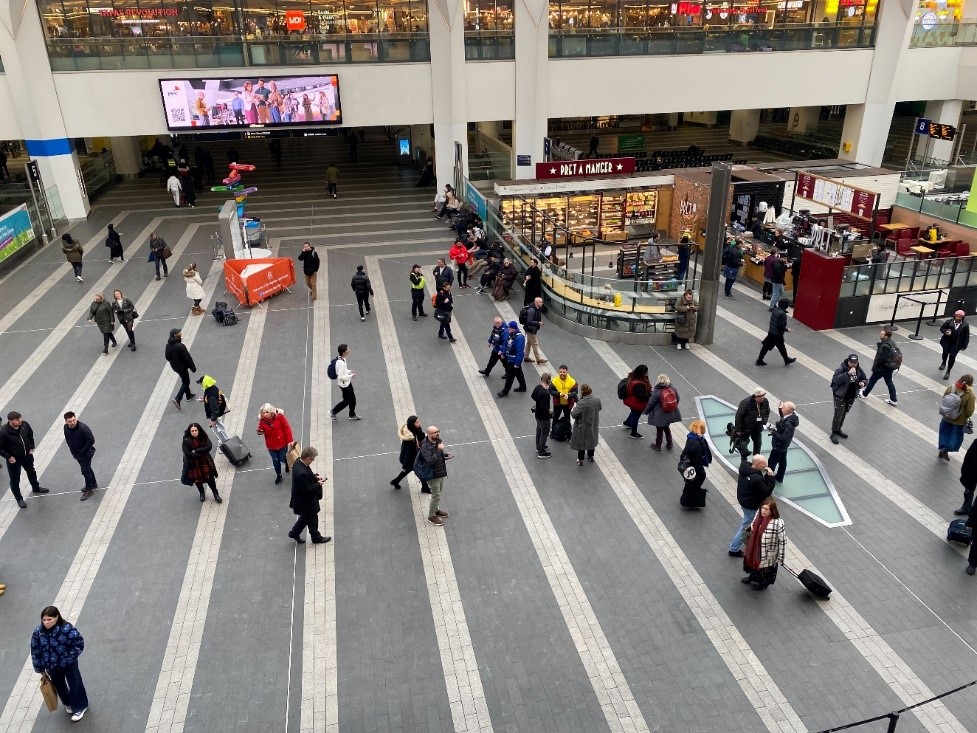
x,y
585,168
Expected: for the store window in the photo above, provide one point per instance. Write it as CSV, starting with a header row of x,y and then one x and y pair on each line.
x,y
488,15
943,10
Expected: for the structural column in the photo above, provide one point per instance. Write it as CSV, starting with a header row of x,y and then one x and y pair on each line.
x,y
802,120
28,73
127,156
867,125
744,125
532,85
447,33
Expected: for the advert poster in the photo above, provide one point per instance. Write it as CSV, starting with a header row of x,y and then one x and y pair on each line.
x,y
585,168
16,231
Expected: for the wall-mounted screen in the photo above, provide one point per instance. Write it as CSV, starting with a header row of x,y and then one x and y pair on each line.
x,y
265,101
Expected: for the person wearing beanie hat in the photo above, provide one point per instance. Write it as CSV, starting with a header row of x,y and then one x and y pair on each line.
x,y
884,364
954,338
846,382
515,352
181,362
361,286
752,415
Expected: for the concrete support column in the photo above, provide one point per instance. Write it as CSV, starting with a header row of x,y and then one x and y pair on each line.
x,y
447,33
802,120
744,125
127,155
673,121
532,85
31,82
946,112
867,125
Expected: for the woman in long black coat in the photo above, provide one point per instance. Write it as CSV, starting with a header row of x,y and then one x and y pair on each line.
x,y
411,434
114,242
699,456
533,284
198,464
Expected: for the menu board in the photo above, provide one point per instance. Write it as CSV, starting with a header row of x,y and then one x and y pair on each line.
x,y
835,195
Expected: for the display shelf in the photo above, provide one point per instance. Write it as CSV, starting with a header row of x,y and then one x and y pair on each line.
x,y
612,217
641,207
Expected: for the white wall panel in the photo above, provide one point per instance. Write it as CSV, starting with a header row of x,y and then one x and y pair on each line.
x,y
642,85
928,74
491,90
9,127
110,103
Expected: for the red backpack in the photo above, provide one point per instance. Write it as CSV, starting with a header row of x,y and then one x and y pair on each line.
x,y
668,399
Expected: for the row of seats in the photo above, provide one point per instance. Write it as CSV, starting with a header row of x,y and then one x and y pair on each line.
x,y
803,149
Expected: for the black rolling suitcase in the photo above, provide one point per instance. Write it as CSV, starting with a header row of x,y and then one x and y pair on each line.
x,y
959,532
814,583
231,446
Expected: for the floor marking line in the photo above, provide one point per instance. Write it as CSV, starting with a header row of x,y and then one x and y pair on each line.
x,y
171,698
23,705
459,666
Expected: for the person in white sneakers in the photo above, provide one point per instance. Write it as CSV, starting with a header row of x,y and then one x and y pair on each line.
x,y
887,359
344,378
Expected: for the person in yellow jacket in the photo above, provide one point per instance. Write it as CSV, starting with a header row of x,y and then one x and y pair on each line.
x,y
563,387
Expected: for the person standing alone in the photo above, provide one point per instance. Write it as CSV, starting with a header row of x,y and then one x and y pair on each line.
x,y
956,409
534,322
782,435
848,379
363,289
310,267
81,443
888,358
515,350
306,495
195,288
954,338
55,648
542,399
775,334
417,284
344,378
17,450
332,179
181,362
73,252
114,242
430,466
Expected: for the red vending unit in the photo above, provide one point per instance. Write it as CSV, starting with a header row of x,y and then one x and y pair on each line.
x,y
816,300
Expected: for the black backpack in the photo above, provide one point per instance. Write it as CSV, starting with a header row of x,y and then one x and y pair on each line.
x,y
331,369
622,389
524,315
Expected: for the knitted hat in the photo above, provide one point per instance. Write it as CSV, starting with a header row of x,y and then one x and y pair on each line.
x,y
513,324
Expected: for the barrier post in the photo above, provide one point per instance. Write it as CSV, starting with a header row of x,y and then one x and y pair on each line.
x,y
893,722
919,322
892,321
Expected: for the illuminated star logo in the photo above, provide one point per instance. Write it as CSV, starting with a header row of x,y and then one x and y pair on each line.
x,y
553,171
620,166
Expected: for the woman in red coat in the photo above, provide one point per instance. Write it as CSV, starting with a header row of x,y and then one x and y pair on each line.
x,y
273,424
459,255
636,399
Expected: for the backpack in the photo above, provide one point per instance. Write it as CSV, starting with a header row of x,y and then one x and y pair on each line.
x,y
951,406
895,361
422,469
524,315
331,369
668,399
622,389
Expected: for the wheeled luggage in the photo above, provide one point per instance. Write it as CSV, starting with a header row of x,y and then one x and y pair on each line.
x,y
561,431
814,583
224,314
231,446
959,532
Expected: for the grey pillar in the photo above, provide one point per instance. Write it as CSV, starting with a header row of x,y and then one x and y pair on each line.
x,y
711,269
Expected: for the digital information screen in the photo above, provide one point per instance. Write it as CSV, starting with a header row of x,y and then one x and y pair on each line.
x,y
258,103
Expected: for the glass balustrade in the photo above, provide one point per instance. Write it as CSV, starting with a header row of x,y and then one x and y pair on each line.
x,y
943,34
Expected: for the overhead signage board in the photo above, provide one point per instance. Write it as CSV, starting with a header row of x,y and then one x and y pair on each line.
x,y
939,131
630,142
835,195
585,168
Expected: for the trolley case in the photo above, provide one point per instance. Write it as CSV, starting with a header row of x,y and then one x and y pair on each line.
x,y
959,532
814,583
231,446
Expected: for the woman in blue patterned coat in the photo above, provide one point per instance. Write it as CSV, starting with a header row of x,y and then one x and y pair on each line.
x,y
55,648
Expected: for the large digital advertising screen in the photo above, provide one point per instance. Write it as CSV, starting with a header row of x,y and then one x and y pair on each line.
x,y
259,102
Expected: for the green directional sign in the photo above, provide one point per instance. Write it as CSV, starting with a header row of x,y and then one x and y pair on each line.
x,y
630,142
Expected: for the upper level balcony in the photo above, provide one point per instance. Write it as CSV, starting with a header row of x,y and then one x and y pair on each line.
x,y
938,35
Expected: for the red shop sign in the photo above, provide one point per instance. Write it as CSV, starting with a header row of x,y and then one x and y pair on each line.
x,y
836,195
585,168
295,20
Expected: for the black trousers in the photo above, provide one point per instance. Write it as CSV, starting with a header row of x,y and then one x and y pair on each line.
x,y
842,406
184,390
417,301
756,435
462,274
13,469
109,338
772,342
127,325
306,520
514,373
493,360
349,400
87,472
363,299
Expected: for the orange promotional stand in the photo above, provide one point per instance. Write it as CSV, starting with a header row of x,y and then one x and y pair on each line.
x,y
254,280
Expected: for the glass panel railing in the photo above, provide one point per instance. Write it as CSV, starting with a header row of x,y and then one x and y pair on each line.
x,y
944,34
577,42
490,45
207,52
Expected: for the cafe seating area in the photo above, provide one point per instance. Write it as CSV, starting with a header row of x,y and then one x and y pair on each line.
x,y
909,243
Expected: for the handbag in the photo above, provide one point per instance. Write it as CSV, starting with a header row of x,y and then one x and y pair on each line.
x,y
680,319
294,451
185,475
48,692
167,253
135,314
684,464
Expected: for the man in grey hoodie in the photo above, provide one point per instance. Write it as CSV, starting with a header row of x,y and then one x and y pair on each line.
x,y
782,435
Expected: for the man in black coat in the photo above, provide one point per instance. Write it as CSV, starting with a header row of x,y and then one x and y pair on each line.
x,y
17,449
81,443
954,338
310,267
972,558
306,493
363,289
755,484
775,334
442,275
848,379
751,416
883,367
968,479
180,362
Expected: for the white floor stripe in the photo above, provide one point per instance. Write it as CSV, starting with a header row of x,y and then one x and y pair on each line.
x,y
874,400
23,705
610,686
884,659
466,696
175,683
320,673
53,438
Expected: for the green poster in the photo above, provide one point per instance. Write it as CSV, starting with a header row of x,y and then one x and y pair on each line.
x,y
630,142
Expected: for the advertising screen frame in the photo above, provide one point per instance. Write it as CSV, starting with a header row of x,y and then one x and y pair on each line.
x,y
218,96
16,231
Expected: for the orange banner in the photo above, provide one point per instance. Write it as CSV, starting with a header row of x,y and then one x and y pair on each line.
x,y
254,280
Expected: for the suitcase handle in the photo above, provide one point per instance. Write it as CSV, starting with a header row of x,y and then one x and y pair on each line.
x,y
785,567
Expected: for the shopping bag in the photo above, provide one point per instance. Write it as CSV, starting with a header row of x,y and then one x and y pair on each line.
x,y
49,694
294,451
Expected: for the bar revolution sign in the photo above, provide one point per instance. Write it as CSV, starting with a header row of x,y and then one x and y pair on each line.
x,y
585,168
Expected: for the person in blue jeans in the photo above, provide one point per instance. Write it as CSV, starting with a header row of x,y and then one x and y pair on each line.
x,y
755,484
55,648
883,367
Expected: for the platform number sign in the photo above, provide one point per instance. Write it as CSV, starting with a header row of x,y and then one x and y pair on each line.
x,y
923,126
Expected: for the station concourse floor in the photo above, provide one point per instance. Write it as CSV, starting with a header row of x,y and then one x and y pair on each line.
x,y
555,598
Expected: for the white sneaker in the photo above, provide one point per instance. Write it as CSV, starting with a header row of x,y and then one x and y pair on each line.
x,y
69,710
678,346
78,278
861,393
891,402
79,715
